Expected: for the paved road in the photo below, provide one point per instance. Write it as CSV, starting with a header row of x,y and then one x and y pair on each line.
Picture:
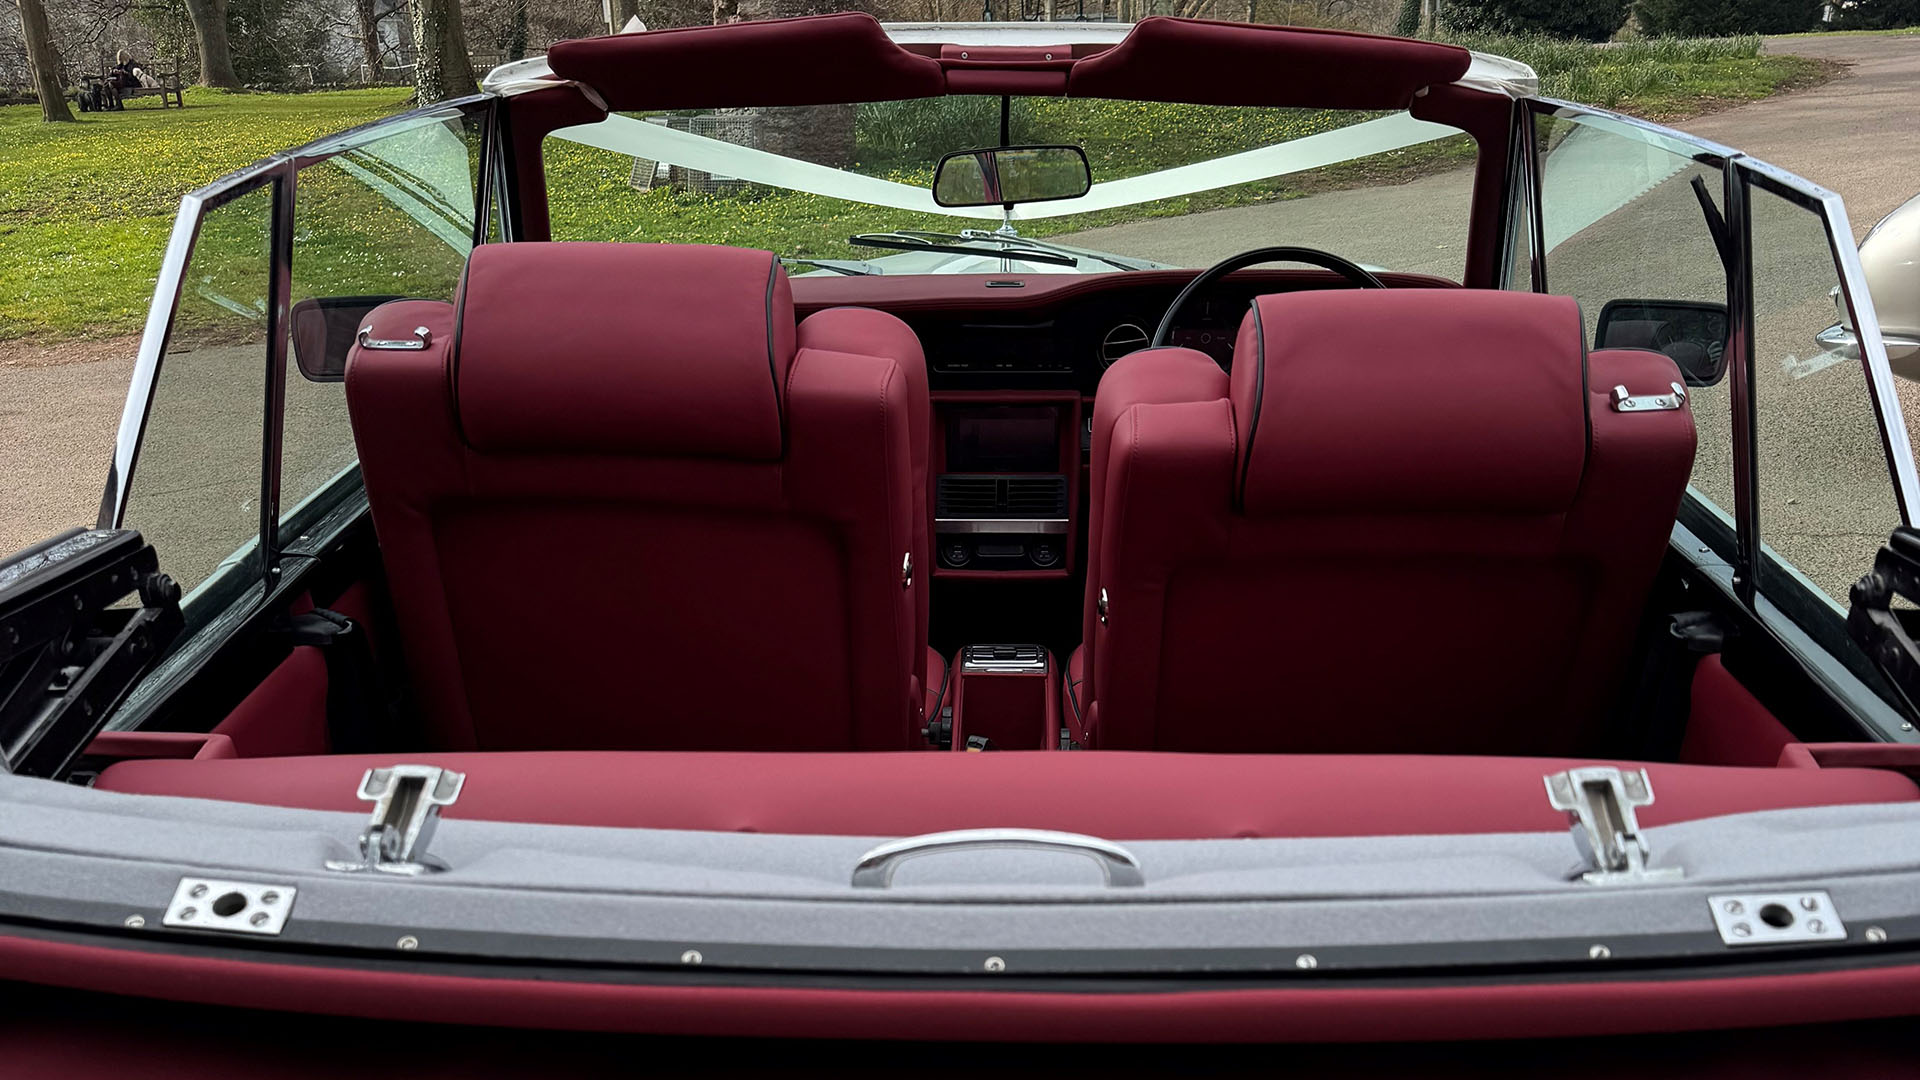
x,y
1854,135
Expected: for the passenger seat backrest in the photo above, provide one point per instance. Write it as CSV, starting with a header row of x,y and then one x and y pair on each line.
x,y
1412,524
621,509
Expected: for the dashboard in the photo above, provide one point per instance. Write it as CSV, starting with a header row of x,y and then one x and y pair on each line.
x,y
1013,362
1059,332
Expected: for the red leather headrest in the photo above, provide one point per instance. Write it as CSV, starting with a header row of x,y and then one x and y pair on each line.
x,y
1379,401
642,349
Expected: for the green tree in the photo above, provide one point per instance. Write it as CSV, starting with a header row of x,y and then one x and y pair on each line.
x,y
1588,20
1724,18
1408,24
1877,14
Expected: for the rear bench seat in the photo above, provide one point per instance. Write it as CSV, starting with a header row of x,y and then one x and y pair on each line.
x,y
1124,796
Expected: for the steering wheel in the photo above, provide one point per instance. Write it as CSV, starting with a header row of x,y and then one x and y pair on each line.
x,y
1206,278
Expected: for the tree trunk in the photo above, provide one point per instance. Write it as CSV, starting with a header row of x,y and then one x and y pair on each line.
x,y
1408,24
46,70
216,56
517,35
725,11
369,37
442,68
817,133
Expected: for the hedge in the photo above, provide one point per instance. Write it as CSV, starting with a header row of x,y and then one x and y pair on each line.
x,y
1587,20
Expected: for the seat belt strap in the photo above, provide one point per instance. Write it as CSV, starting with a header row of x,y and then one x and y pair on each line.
x,y
1664,697
353,701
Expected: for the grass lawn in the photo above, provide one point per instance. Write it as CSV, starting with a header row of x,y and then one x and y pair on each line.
x,y
85,208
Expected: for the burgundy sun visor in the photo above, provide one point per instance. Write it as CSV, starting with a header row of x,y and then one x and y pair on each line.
x,y
1210,63
817,60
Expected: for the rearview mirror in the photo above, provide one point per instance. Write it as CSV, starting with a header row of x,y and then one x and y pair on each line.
x,y
1693,334
323,331
1011,175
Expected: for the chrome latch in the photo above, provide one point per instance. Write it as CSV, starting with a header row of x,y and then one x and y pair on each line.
x,y
906,571
406,809
1101,607
1600,801
422,337
1668,402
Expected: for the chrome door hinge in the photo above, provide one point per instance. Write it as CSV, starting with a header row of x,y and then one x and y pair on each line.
x,y
406,810
1600,801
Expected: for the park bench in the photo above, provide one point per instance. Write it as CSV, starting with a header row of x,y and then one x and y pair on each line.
x,y
98,94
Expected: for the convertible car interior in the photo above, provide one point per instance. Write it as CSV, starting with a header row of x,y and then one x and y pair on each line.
x,y
637,523
699,536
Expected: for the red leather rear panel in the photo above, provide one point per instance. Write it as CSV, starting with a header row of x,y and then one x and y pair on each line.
x,y
1125,796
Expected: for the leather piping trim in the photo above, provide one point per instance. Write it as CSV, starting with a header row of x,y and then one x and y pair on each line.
x,y
773,368
1259,399
453,352
1586,393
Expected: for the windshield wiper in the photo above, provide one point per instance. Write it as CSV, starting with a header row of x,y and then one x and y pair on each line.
x,y
837,267
909,242
1000,238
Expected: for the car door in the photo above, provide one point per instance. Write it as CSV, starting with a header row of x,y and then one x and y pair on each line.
x,y
1804,463
234,456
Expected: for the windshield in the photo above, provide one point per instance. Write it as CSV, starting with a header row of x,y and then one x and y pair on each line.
x,y
845,189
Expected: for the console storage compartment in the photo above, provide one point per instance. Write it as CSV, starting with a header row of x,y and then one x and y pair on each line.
x,y
1006,697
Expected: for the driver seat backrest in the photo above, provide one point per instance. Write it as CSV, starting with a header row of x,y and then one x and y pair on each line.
x,y
620,509
1408,522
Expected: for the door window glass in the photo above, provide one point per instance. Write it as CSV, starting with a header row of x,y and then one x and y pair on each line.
x,y
1827,499
195,489
392,217
1622,213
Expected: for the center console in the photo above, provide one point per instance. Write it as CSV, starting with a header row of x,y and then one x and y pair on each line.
x,y
1005,479
1005,697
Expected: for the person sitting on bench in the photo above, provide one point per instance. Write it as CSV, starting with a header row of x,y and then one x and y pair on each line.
x,y
125,74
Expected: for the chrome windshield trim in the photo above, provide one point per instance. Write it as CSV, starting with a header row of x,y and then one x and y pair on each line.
x,y
1692,144
333,145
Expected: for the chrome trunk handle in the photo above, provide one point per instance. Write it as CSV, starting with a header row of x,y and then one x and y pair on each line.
x,y
876,867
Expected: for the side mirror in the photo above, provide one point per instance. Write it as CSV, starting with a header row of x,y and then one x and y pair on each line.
x,y
323,332
1692,333
1010,175
1890,258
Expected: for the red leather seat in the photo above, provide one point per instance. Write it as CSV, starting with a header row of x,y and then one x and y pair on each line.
x,y
622,508
1410,522
1118,795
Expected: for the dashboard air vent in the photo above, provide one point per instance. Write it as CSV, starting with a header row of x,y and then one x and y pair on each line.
x,y
960,496
1120,341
